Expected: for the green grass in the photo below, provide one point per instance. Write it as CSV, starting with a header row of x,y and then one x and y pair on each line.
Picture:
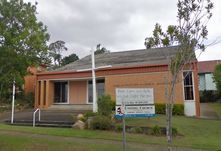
x,y
216,107
20,143
197,133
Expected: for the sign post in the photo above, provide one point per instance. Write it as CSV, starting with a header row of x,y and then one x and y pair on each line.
x,y
124,134
122,112
134,102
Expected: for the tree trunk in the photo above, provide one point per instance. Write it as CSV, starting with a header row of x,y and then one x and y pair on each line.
x,y
169,113
169,127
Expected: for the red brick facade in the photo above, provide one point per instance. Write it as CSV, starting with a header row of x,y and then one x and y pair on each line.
x,y
145,76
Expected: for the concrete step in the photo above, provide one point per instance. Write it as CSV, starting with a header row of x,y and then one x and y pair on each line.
x,y
71,107
46,115
63,124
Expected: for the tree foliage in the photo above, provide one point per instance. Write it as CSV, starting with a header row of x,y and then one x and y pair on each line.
x,y
217,77
56,49
188,35
100,50
22,41
68,59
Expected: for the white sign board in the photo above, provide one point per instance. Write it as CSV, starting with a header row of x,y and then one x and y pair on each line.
x,y
135,102
146,109
130,96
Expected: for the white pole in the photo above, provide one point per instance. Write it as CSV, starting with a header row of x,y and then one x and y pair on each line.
x,y
13,102
94,82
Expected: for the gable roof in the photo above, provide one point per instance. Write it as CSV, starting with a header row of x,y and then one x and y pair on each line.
x,y
207,66
158,56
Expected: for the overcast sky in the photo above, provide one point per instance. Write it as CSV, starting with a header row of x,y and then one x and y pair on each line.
x,y
116,24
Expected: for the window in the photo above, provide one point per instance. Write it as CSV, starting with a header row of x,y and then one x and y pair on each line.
x,y
60,92
99,88
188,85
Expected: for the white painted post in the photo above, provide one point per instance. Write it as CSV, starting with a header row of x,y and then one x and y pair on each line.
x,y
94,82
13,102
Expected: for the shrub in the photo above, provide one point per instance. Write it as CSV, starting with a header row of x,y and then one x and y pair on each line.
x,y
101,122
135,130
113,105
208,96
105,105
217,78
25,99
160,108
156,130
162,131
118,128
178,109
174,131
89,114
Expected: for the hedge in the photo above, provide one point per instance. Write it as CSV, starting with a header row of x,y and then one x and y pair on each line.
x,y
209,96
178,109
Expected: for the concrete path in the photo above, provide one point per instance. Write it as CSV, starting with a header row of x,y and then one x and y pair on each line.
x,y
26,114
207,112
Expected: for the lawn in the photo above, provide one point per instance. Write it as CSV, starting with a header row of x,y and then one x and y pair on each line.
x,y
216,107
30,143
196,133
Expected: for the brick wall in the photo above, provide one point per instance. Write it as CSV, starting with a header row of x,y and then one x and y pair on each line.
x,y
155,80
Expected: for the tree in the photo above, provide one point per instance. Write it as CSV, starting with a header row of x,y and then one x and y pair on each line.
x,y
217,78
100,50
22,41
188,36
56,48
68,59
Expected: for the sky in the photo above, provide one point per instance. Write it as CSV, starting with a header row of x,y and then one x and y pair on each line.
x,y
117,25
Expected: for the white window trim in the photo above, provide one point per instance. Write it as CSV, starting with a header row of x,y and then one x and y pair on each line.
x,y
192,85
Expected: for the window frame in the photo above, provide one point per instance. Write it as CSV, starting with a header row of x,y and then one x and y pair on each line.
x,y
92,89
67,93
193,85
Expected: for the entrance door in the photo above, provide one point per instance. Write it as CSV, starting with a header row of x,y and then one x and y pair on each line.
x,y
60,92
189,100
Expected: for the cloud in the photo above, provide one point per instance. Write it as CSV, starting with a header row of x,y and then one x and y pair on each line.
x,y
116,24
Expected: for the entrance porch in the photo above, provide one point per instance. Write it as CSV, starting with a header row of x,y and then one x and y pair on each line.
x,y
67,94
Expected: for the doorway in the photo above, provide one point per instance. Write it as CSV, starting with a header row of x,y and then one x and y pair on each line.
x,y
60,92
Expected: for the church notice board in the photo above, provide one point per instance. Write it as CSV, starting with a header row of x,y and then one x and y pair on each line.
x,y
134,102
